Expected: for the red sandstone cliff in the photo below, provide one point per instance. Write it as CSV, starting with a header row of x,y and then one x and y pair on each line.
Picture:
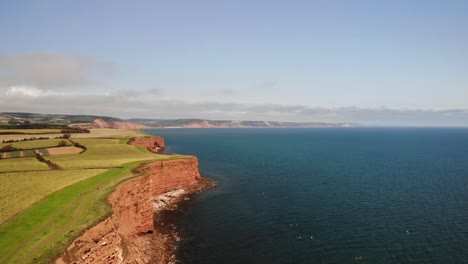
x,y
101,123
130,234
152,143
203,124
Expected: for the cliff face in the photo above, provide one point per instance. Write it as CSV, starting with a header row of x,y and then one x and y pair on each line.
x,y
133,202
101,123
130,234
153,143
203,124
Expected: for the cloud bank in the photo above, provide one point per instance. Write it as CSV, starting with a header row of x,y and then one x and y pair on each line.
x,y
51,71
151,105
69,84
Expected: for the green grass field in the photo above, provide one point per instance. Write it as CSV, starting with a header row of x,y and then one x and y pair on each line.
x,y
29,153
44,152
89,142
31,131
22,154
42,211
22,164
43,232
19,190
102,153
21,136
95,133
13,154
32,144
110,133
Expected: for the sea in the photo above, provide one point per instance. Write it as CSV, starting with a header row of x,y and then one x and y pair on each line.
x,y
326,195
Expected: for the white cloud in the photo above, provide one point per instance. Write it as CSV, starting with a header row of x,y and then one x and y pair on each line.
x,y
22,91
51,71
29,91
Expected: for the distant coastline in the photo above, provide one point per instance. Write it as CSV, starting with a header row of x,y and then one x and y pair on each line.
x,y
32,120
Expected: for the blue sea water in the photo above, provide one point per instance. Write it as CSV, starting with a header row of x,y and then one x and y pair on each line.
x,y
326,195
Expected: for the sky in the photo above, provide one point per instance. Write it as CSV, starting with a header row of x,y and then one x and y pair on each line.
x,y
365,61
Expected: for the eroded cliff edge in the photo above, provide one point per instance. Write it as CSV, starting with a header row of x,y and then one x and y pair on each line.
x,y
130,234
101,123
153,144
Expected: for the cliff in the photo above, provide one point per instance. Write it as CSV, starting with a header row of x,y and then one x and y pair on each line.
x,y
101,123
136,232
152,143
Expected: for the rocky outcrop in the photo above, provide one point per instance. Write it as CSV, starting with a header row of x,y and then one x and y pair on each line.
x,y
101,123
153,144
130,234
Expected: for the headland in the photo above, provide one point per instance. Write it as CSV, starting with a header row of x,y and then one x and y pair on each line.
x,y
137,232
105,203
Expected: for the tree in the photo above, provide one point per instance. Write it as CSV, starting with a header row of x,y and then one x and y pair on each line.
x,y
62,143
7,148
12,121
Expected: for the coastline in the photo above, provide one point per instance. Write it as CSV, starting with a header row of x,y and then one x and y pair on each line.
x,y
139,231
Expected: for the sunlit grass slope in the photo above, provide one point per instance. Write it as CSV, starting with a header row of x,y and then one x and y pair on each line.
x,y
35,143
22,164
101,153
19,190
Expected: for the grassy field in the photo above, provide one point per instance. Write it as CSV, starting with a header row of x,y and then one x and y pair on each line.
x,y
19,190
22,164
43,152
110,133
22,154
13,154
43,210
29,153
43,231
94,133
22,136
102,153
89,142
31,131
32,144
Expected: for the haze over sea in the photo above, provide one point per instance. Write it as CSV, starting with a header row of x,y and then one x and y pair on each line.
x,y
388,195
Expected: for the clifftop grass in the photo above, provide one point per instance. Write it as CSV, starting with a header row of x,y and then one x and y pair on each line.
x,y
51,208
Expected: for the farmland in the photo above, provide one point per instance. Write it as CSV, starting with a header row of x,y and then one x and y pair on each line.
x,y
22,136
94,133
32,144
30,131
21,164
42,210
102,153
110,133
19,190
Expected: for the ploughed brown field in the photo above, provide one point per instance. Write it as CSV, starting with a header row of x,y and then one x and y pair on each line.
x,y
64,150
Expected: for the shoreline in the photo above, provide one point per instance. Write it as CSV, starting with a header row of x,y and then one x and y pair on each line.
x,y
139,229
166,223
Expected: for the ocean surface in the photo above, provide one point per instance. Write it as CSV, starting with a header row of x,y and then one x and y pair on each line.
x,y
326,195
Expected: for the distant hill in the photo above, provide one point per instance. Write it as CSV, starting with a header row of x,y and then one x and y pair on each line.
x,y
204,123
32,120
121,124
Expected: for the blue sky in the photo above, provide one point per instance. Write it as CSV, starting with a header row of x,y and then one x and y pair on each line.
x,y
239,59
